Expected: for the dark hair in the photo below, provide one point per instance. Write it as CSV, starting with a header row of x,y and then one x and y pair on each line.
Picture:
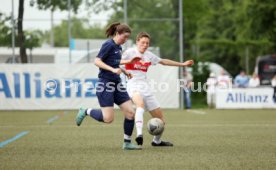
x,y
117,28
141,35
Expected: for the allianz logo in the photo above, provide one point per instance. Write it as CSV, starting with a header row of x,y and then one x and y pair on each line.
x,y
30,85
246,98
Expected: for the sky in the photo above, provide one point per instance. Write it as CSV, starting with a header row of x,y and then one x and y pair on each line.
x,y
38,19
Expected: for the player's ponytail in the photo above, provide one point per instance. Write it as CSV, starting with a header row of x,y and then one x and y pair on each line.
x,y
117,27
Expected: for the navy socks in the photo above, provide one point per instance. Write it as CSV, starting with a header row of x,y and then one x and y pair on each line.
x,y
96,114
128,128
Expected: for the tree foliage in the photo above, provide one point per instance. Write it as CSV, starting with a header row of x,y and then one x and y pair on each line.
x,y
157,17
80,29
33,39
56,4
5,31
216,31
230,27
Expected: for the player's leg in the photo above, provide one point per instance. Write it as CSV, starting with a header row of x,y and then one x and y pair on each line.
x,y
213,101
106,101
129,120
153,106
187,98
138,100
105,114
122,99
209,99
128,112
157,113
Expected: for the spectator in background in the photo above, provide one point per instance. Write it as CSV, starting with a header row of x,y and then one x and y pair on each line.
x,y
211,90
224,81
187,89
254,81
273,84
241,80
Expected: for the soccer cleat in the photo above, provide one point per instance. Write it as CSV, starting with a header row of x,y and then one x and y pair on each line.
x,y
80,116
130,146
162,143
139,140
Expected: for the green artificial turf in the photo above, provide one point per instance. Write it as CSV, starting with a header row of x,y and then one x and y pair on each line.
x,y
203,139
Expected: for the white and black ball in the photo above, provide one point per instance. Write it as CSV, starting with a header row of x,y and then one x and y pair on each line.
x,y
155,126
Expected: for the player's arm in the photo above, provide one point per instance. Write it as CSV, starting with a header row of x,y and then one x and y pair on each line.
x,y
169,62
102,65
135,59
129,76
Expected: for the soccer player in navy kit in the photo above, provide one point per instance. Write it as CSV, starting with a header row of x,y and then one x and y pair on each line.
x,y
110,89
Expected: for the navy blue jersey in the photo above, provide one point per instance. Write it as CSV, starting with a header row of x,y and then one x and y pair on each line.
x,y
110,53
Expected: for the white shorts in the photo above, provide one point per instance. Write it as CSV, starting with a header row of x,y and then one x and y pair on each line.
x,y
144,90
151,103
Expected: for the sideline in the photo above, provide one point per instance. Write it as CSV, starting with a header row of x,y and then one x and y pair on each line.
x,y
2,144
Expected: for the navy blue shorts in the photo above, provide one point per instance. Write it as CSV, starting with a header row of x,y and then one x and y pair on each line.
x,y
109,92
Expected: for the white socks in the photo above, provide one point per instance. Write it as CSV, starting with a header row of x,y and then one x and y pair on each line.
x,y
88,111
156,139
139,117
127,138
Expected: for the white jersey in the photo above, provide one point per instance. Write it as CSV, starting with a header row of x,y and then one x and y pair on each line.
x,y
138,83
139,69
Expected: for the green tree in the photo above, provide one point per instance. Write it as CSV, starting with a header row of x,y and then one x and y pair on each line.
x,y
193,14
151,17
42,4
262,23
226,31
56,4
5,31
33,39
80,29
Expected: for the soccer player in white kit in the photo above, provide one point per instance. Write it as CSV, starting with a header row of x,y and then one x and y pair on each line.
x,y
138,87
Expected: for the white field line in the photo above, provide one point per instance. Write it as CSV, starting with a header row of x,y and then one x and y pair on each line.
x,y
197,112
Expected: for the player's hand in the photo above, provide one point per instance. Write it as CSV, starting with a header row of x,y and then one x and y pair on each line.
x,y
135,59
129,75
117,71
188,63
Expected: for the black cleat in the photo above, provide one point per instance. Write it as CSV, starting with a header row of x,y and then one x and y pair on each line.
x,y
139,140
163,143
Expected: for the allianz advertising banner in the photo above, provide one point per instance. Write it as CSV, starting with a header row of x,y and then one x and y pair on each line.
x,y
64,86
245,98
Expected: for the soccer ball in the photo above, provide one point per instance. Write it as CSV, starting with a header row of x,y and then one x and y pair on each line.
x,y
155,126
